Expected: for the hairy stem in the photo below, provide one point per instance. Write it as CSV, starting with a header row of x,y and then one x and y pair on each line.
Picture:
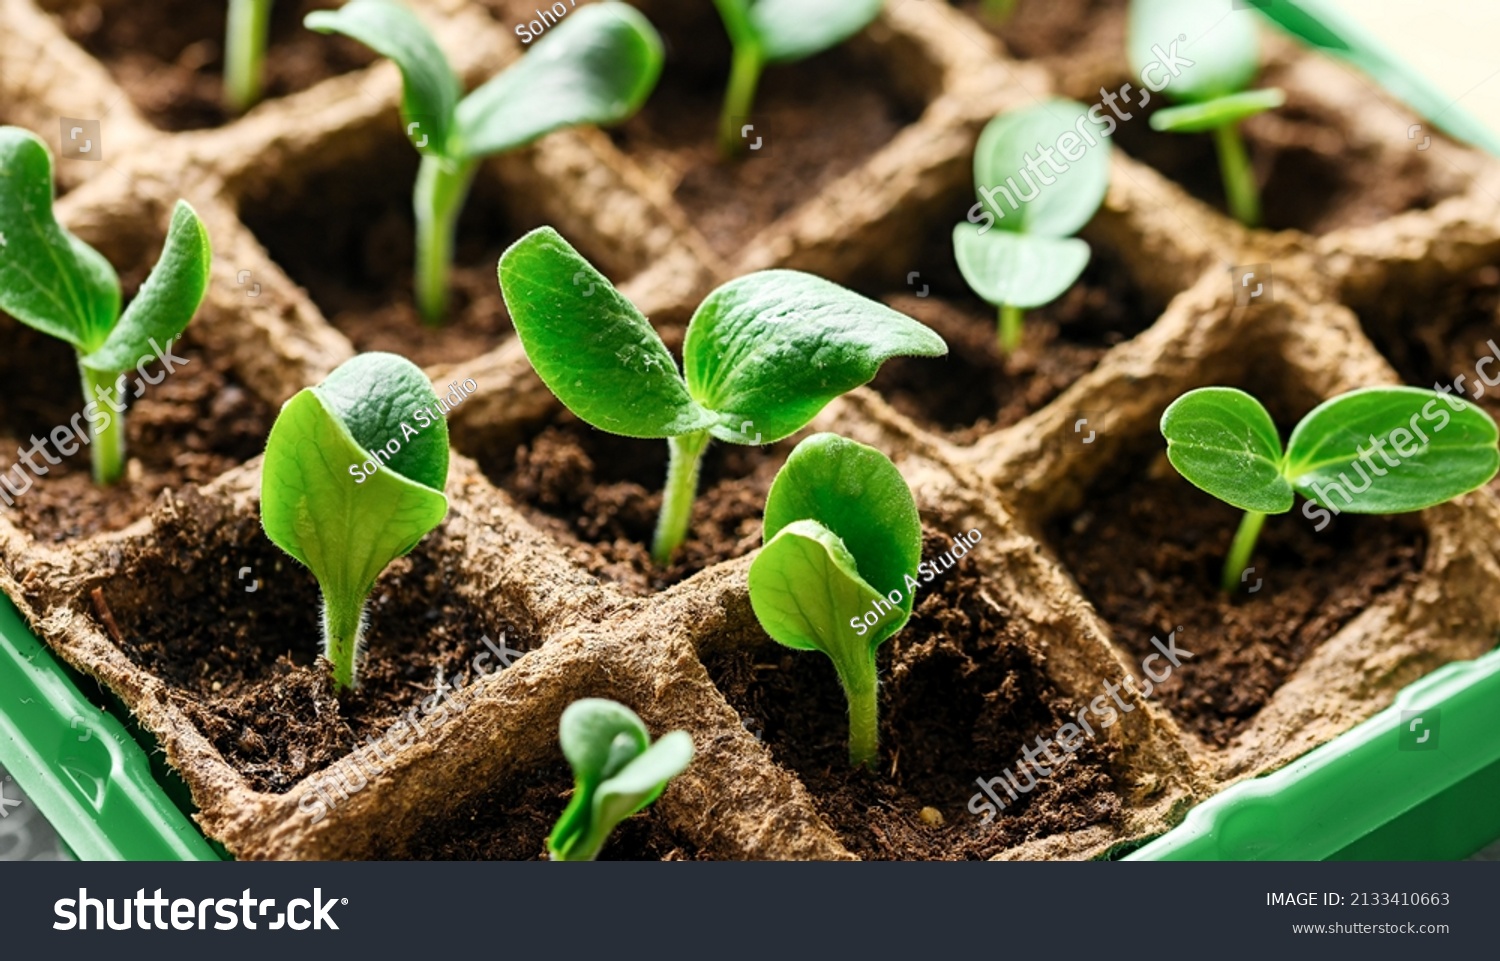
x,y
1239,551
107,427
1239,178
245,52
744,75
442,186
677,498
1011,319
858,679
343,632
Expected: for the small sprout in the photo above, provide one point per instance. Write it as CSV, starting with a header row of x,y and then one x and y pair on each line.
x,y
617,771
54,282
779,31
1213,91
1033,257
763,355
596,67
842,537
998,11
245,52
342,521
1224,442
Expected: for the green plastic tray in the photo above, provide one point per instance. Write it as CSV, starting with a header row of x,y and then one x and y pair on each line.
x,y
1418,781
79,765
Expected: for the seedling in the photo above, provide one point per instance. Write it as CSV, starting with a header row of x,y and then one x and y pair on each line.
x,y
1224,442
998,10
245,52
763,354
1213,91
56,283
842,538
617,771
343,521
596,67
779,31
1033,257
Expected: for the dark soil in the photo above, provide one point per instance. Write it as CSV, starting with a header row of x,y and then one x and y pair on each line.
x,y
244,663
169,56
1311,178
188,429
513,824
347,235
599,495
1148,550
1048,28
976,389
963,691
816,120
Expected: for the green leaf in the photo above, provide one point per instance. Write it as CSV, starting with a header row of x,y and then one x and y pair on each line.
x,y
1210,114
167,300
1414,448
375,396
616,772
49,279
855,492
804,588
345,530
788,30
591,346
1010,159
1017,269
1224,442
1220,41
430,90
596,67
774,347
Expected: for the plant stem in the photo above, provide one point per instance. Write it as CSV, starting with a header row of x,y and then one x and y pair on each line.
x,y
442,185
1239,551
1239,177
343,632
744,74
999,10
245,52
860,689
677,498
1011,319
107,448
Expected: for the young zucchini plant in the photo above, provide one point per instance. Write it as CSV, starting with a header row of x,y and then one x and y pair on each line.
x,y
342,523
841,536
1224,442
763,354
1033,257
779,31
596,67
617,771
245,34
1213,92
54,282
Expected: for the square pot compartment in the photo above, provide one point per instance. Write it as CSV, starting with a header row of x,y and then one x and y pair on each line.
x,y
170,63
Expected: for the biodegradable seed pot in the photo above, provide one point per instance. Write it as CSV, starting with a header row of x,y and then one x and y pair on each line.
x,y
356,573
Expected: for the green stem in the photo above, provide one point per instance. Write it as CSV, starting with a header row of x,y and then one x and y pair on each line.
x,y
107,447
744,74
998,10
860,689
1239,177
677,498
441,188
1011,319
245,52
343,630
1238,560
